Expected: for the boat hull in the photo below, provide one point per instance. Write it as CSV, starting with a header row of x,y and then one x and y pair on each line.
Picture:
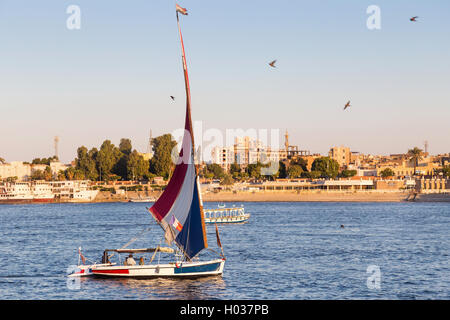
x,y
15,201
21,201
169,270
239,219
81,271
226,215
43,200
85,270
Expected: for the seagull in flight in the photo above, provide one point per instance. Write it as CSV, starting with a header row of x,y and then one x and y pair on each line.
x,y
173,98
414,19
272,64
347,105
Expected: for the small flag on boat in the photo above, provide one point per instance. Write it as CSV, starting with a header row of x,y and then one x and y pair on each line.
x,y
83,259
176,224
218,238
181,10
218,241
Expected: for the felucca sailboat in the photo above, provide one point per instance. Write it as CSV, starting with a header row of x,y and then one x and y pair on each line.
x,y
179,212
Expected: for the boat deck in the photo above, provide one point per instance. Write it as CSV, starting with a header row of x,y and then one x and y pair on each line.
x,y
226,215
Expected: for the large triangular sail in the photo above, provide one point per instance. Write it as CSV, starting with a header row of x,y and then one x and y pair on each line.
x,y
179,210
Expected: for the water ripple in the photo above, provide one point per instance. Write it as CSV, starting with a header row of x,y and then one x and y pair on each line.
x,y
286,251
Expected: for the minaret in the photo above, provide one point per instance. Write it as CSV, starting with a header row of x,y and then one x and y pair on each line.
x,y
149,146
56,146
286,141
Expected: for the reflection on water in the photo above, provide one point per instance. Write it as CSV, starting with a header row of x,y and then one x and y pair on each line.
x,y
206,288
286,251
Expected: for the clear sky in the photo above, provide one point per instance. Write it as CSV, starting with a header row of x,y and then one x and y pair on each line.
x,y
112,78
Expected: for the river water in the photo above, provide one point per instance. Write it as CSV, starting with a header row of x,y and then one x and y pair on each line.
x,y
287,251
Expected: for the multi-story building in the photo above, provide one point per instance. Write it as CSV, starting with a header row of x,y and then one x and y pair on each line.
x,y
56,167
23,171
223,156
73,191
15,169
406,168
246,151
342,155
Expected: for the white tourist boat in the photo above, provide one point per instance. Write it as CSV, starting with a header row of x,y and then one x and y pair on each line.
x,y
73,191
179,212
46,191
42,191
226,215
145,268
144,199
26,192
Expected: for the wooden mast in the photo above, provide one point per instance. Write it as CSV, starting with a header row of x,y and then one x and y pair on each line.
x,y
188,115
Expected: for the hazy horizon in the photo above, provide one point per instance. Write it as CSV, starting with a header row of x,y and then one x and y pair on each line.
x,y
112,78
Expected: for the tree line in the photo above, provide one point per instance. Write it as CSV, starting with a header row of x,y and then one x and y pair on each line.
x,y
111,162
323,167
122,162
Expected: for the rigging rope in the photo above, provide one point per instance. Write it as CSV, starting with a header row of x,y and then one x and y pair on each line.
x,y
132,240
135,238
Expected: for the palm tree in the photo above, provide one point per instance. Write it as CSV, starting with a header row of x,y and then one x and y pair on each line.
x,y
415,155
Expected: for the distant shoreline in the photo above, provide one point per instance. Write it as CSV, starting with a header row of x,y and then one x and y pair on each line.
x,y
334,196
306,197
324,196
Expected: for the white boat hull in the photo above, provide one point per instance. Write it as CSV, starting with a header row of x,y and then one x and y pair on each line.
x,y
226,215
141,200
86,270
237,219
181,269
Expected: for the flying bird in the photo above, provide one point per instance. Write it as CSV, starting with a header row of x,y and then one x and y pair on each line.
x,y
413,18
272,64
347,105
173,98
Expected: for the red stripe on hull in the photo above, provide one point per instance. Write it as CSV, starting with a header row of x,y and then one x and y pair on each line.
x,y
44,200
116,271
15,201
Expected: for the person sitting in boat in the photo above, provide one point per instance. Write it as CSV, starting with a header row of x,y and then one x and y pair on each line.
x,y
141,261
105,258
130,261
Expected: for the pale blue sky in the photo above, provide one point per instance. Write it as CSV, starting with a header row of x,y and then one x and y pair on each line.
x,y
113,77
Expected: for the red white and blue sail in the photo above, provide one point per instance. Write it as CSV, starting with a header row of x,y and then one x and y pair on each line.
x,y
179,210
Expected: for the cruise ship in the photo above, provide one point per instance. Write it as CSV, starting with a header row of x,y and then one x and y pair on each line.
x,y
26,192
73,191
42,191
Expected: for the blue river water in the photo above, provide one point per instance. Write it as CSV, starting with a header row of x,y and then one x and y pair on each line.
x,y
287,251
